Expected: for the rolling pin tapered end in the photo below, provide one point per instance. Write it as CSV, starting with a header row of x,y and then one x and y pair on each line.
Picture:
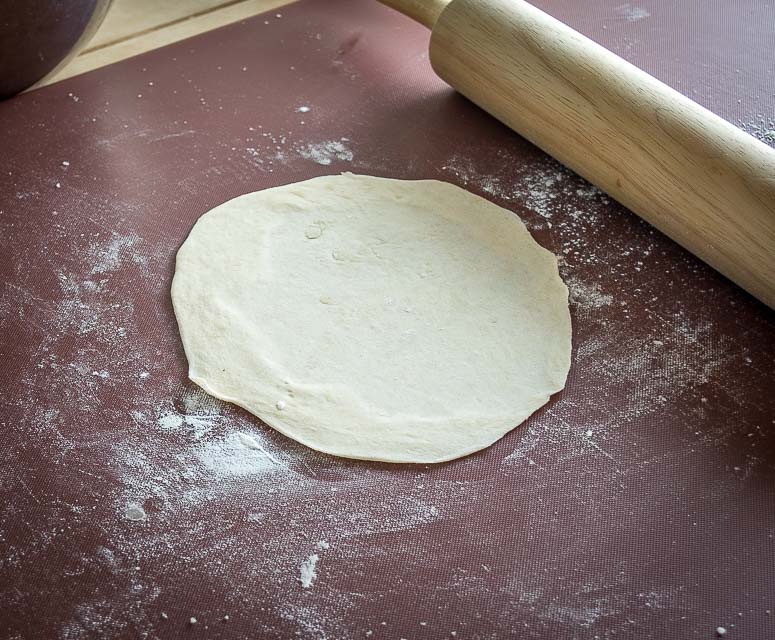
x,y
423,11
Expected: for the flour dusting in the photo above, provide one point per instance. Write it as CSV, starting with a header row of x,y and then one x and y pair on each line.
x,y
762,128
543,190
587,295
119,248
134,512
238,454
632,13
581,616
266,150
326,152
307,570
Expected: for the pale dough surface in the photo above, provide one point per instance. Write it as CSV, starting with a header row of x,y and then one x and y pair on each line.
x,y
403,321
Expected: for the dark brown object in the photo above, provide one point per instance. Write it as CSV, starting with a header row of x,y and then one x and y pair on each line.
x,y
38,37
658,524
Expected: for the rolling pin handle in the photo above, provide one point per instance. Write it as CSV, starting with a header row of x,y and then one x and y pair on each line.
x,y
423,11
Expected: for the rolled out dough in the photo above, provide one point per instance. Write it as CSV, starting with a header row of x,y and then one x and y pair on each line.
x,y
373,318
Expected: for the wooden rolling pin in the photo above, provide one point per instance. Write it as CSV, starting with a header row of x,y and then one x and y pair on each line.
x,y
699,179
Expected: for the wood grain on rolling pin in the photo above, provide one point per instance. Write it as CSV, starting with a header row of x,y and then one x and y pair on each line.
x,y
696,177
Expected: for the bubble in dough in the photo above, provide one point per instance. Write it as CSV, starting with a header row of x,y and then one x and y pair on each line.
x,y
402,321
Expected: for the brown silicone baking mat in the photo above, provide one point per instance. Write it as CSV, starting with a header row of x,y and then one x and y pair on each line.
x,y
638,503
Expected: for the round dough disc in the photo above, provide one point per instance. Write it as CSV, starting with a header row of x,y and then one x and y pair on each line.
x,y
373,318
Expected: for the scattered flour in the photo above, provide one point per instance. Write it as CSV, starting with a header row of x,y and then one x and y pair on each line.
x,y
581,616
199,425
763,129
326,152
547,189
279,148
307,570
587,295
134,512
238,455
528,441
119,248
169,421
632,13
